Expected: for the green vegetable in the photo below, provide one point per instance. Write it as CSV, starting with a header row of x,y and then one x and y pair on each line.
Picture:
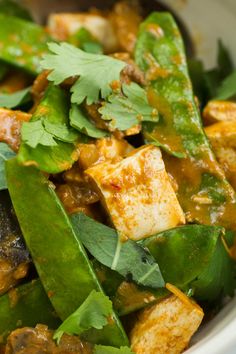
x,y
22,43
79,121
101,349
224,60
12,100
218,278
5,153
26,305
93,312
227,89
128,109
96,72
43,137
194,257
84,40
126,296
61,262
179,128
13,8
128,259
4,68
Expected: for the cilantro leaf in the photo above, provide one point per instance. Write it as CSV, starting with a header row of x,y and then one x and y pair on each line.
x,y
125,111
79,121
128,259
61,132
93,313
228,87
34,133
102,349
43,138
96,72
46,133
11,100
5,154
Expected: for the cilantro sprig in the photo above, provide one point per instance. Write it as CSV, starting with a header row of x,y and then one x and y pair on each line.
x,y
96,72
128,108
93,313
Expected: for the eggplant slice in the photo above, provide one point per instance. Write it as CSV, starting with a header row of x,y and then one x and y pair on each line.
x,y
14,257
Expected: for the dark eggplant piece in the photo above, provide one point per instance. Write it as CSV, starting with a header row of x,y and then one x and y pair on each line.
x,y
14,257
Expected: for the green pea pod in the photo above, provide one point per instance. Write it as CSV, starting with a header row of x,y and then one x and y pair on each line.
x,y
54,108
26,305
60,259
204,193
22,43
194,257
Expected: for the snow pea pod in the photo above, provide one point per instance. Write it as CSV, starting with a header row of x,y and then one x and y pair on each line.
x,y
194,258
22,43
61,261
26,305
204,193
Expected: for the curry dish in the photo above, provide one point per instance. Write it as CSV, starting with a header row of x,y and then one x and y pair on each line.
x,y
117,183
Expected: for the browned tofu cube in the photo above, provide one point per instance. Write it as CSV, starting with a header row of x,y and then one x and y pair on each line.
x,y
166,327
137,193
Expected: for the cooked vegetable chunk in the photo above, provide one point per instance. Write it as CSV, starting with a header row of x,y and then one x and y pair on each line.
x,y
126,18
39,340
137,194
10,126
217,111
166,327
14,257
222,136
62,25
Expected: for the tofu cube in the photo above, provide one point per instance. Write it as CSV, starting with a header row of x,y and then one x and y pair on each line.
x,y
137,193
166,327
222,136
219,111
62,25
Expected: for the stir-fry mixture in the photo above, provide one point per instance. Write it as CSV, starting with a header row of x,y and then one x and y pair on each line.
x,y
117,179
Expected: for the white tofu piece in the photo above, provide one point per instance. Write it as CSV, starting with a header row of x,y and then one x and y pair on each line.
x,y
166,327
222,136
219,111
137,193
62,25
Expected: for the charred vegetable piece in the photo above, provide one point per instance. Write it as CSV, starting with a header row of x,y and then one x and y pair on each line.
x,y
190,257
48,142
58,255
14,257
160,53
22,43
26,305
